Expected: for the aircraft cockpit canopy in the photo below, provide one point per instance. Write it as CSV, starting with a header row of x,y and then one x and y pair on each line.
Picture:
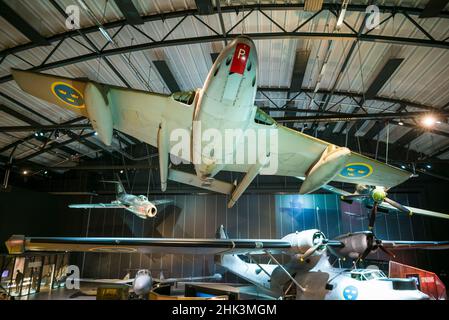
x,y
143,198
143,272
263,118
186,97
366,274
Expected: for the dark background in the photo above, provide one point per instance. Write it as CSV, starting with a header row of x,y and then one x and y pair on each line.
x,y
269,209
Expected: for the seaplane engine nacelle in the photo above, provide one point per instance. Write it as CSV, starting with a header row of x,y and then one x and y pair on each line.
x,y
304,240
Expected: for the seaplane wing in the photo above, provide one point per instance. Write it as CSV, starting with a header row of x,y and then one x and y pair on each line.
x,y
319,162
97,206
134,112
18,244
403,245
161,202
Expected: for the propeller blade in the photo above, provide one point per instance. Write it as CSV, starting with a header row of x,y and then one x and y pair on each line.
x,y
372,217
365,253
398,206
388,252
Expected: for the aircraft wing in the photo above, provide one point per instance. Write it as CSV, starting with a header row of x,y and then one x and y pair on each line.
x,y
422,212
20,244
403,245
108,281
134,112
161,202
298,152
97,206
386,206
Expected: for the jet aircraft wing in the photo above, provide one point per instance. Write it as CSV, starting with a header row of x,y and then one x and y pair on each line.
x,y
161,202
97,206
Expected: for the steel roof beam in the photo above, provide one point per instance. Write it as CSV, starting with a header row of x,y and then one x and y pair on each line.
x,y
130,12
21,25
225,9
167,75
433,8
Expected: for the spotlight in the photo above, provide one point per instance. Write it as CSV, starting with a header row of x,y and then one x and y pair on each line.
x,y
403,167
36,134
96,133
428,166
428,121
24,172
121,171
400,123
41,134
45,172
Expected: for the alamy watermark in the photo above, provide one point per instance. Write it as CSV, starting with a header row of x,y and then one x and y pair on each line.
x,y
212,147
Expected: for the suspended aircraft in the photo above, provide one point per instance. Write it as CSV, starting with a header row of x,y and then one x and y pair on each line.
x,y
139,205
376,199
308,273
224,103
143,282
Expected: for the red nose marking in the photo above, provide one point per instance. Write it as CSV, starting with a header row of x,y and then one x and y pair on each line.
x,y
240,58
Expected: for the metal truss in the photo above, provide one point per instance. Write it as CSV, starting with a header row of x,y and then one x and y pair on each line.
x,y
223,35
226,34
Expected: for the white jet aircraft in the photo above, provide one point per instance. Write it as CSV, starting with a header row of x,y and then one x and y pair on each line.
x,y
143,282
308,273
139,205
224,104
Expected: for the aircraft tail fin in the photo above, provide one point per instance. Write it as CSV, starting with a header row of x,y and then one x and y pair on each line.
x,y
119,189
221,233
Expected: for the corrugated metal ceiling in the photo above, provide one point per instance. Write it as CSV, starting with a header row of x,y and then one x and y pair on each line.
x,y
421,78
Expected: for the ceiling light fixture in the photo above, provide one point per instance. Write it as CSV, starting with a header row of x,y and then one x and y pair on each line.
x,y
428,121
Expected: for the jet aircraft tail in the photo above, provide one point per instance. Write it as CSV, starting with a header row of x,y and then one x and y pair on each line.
x,y
119,189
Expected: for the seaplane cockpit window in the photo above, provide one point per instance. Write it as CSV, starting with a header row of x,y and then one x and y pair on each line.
x,y
263,118
186,97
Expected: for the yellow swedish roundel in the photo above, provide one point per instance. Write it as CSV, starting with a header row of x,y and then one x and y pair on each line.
x,y
67,94
356,170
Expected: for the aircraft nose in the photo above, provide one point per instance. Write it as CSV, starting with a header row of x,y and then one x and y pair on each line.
x,y
141,286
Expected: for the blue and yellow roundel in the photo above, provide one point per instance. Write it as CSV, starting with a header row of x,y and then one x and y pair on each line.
x,y
68,94
356,170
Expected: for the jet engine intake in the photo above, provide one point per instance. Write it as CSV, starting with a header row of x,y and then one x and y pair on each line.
x,y
150,211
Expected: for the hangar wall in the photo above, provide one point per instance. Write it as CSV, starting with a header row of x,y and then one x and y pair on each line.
x,y
254,216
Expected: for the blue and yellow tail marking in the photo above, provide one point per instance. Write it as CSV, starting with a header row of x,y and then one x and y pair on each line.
x,y
356,170
68,94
